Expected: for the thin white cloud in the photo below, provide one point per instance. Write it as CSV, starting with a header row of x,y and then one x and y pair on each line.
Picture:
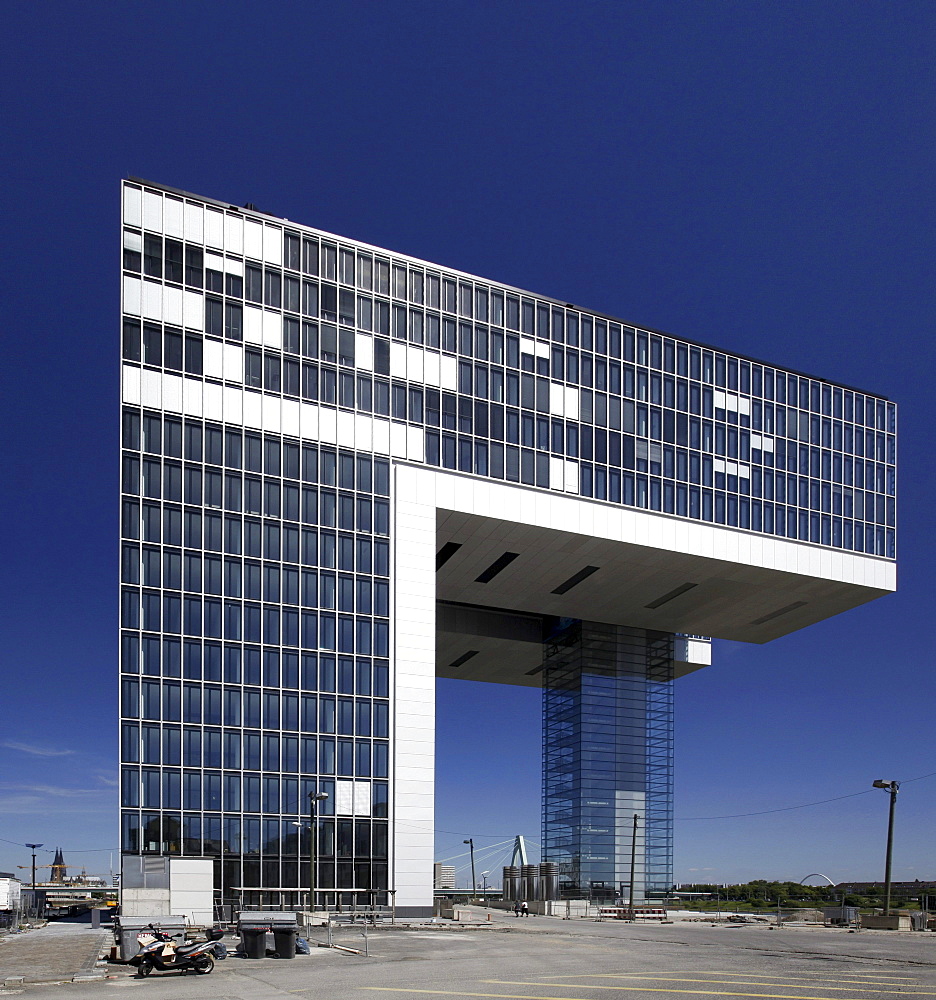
x,y
53,791
35,750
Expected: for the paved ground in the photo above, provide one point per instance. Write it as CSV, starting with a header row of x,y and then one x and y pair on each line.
x,y
549,959
56,951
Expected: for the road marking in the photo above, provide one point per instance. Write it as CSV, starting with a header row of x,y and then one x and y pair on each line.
x,y
669,978
656,989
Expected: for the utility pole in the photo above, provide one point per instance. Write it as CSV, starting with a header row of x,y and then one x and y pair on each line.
x,y
891,787
35,897
632,868
470,843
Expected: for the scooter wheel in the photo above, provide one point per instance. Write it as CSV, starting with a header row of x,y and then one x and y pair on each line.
x,y
203,965
144,970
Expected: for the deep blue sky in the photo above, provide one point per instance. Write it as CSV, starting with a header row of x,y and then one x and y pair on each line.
x,y
753,175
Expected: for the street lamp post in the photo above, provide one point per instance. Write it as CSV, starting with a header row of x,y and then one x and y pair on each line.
x,y
35,897
892,787
484,876
313,844
474,881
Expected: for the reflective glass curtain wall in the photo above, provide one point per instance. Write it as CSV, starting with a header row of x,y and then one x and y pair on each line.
x,y
608,756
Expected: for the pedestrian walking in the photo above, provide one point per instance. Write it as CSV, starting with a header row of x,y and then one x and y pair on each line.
x,y
517,908
524,909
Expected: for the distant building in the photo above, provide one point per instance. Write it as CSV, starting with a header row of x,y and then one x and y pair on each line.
x,y
443,876
59,871
897,888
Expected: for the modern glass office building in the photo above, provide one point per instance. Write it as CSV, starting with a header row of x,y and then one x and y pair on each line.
x,y
346,471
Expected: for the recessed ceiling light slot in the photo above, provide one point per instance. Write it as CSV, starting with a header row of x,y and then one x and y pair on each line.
x,y
777,614
671,595
445,553
574,581
464,658
499,564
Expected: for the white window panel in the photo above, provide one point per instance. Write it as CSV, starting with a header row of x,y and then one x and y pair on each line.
x,y
415,363
172,393
398,440
194,223
173,218
344,798
541,350
272,244
131,385
448,375
290,417
744,405
192,396
193,310
272,329
213,402
398,360
556,473
756,440
363,432
308,420
214,228
328,424
214,261
133,206
234,234
253,239
233,363
718,398
556,399
718,464
172,305
151,389
253,324
152,211
253,410
527,345
133,241
152,300
433,368
571,476
272,414
234,267
362,798
415,444
768,443
364,351
571,403
132,296
233,405
744,471
213,359
382,436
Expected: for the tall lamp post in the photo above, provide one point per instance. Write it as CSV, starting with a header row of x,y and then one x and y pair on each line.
x,y
35,897
474,881
484,876
892,787
313,844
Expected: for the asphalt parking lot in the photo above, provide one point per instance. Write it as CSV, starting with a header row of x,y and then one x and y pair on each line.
x,y
551,959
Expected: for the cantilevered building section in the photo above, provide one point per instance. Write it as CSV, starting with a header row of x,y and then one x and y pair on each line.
x,y
346,472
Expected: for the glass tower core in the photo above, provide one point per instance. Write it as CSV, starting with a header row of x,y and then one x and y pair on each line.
x,y
277,381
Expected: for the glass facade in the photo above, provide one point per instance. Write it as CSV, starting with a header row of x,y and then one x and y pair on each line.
x,y
608,757
271,375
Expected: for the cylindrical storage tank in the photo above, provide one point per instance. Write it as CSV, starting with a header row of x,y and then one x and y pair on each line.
x,y
529,878
548,880
511,882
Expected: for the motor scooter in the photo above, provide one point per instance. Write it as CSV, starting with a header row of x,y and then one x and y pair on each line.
x,y
159,951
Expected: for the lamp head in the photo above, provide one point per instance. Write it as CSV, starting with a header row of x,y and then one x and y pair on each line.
x,y
888,786
319,796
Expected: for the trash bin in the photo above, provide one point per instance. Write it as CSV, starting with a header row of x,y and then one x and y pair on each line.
x,y
254,941
284,940
126,930
254,925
